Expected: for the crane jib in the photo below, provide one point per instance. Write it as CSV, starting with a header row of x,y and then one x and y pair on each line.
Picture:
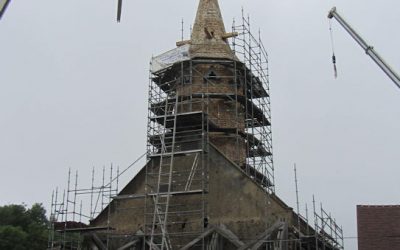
x,y
369,50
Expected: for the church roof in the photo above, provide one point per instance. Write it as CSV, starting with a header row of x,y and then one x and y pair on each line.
x,y
208,39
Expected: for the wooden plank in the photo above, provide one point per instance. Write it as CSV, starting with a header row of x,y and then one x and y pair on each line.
x,y
229,235
221,230
200,237
284,238
129,245
98,242
264,236
140,196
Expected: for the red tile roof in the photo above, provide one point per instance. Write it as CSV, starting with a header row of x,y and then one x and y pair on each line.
x,y
378,227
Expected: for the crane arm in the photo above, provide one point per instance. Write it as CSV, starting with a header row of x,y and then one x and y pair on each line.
x,y
3,6
369,50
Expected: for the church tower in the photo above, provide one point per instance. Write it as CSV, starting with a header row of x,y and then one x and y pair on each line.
x,y
209,178
209,145
201,99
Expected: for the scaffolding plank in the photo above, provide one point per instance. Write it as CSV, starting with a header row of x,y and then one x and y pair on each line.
x,y
139,196
187,119
85,229
177,153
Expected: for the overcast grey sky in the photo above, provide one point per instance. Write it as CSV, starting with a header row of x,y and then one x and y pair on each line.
x,y
73,93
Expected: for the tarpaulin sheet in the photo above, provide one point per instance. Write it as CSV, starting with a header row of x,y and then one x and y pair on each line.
x,y
169,58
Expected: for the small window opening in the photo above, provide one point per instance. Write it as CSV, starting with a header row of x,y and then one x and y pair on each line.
x,y
184,224
205,222
211,76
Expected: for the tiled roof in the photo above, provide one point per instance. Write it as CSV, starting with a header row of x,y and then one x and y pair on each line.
x,y
378,227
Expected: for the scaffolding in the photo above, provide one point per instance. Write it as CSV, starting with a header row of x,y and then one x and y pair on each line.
x,y
251,51
328,234
73,208
193,104
325,233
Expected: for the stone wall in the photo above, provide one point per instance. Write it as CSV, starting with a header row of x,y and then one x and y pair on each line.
x,y
213,89
239,203
231,198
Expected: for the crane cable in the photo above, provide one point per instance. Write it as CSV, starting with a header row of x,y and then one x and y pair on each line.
x,y
333,49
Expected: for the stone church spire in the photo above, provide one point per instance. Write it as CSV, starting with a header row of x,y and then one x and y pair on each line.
x,y
209,38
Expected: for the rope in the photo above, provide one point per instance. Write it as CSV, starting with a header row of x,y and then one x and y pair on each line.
x,y
126,169
333,49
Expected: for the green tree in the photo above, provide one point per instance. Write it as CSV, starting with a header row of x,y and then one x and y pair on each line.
x,y
22,228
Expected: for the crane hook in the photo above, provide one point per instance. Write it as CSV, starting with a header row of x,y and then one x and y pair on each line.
x,y
333,50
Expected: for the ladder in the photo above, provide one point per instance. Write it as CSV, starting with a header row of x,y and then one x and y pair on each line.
x,y
162,195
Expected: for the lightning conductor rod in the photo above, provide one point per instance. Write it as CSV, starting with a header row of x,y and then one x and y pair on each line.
x,y
182,29
369,50
297,197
